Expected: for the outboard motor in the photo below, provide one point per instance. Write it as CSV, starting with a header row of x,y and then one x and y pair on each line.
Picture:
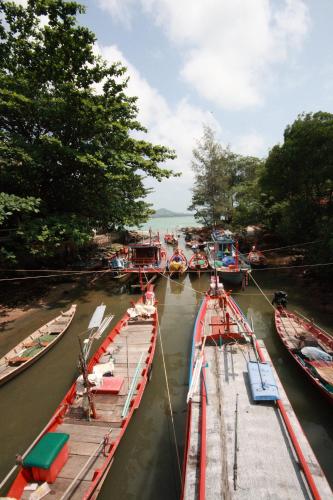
x,y
280,299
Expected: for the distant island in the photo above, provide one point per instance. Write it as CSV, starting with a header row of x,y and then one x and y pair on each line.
x,y
164,212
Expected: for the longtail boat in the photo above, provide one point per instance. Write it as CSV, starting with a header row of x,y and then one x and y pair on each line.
x,y
170,239
35,345
147,256
236,445
256,258
177,263
224,257
309,346
76,449
198,262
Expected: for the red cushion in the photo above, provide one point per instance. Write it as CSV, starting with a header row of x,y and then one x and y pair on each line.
x,y
109,385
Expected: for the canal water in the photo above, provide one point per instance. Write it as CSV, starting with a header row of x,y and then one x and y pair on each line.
x,y
145,466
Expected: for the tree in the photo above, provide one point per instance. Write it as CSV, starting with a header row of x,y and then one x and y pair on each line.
x,y
62,142
249,201
298,178
298,186
214,169
226,184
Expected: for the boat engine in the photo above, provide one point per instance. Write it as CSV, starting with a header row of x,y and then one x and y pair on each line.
x,y
280,299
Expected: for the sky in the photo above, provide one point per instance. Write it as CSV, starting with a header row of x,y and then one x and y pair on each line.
x,y
246,68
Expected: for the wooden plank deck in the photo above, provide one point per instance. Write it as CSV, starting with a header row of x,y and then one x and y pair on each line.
x,y
85,436
263,464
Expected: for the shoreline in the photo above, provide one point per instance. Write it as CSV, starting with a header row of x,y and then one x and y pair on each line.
x,y
54,293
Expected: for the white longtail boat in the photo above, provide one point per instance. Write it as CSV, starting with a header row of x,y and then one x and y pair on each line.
x,y
34,346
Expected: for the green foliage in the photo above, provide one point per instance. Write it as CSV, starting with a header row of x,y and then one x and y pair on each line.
x,y
12,206
298,186
298,178
55,234
249,203
226,184
68,131
214,170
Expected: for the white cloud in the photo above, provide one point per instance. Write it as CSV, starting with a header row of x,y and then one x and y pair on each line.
x,y
121,10
178,127
252,144
229,48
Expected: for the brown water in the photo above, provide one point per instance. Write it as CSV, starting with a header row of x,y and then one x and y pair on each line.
x,y
145,466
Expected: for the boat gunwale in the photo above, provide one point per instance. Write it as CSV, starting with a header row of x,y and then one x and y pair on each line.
x,y
20,368
316,383
60,412
194,267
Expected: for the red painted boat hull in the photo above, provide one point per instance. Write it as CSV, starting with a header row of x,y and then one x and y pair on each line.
x,y
318,334
22,480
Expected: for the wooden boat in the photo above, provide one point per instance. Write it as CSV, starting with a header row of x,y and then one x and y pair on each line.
x,y
94,414
34,346
236,447
256,258
170,239
310,347
224,257
198,262
177,263
197,245
147,256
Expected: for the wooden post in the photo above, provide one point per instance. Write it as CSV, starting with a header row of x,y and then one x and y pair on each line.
x,y
227,315
84,371
236,256
140,278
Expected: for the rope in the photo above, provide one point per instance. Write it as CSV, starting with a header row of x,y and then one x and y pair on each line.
x,y
263,293
93,457
182,284
169,400
68,273
290,267
290,246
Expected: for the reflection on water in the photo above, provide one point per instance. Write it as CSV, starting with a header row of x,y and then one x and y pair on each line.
x,y
145,466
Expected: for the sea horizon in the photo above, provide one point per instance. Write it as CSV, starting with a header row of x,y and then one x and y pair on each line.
x,y
168,224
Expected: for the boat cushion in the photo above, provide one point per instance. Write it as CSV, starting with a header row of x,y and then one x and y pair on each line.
x,y
111,385
46,450
46,338
30,352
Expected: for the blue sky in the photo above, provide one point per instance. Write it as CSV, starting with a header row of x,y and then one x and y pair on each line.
x,y
245,67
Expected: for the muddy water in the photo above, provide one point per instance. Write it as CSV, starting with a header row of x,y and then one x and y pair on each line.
x,y
145,466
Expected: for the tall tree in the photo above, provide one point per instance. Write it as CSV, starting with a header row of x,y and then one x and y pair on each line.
x,y
248,197
214,170
62,142
298,186
226,184
298,178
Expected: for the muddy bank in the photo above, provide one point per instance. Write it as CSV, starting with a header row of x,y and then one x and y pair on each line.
x,y
29,298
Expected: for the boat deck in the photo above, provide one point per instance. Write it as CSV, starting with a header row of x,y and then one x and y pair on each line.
x,y
34,346
248,451
86,450
296,335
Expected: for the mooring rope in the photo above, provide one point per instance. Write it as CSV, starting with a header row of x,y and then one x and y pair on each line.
x,y
263,293
170,404
182,284
61,273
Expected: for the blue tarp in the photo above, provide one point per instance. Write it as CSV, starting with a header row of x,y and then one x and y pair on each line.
x,y
262,382
228,260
